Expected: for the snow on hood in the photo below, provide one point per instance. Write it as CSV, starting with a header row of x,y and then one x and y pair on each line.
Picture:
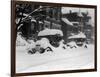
x,y
44,42
50,32
80,35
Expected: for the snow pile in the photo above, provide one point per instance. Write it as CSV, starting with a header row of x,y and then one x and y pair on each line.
x,y
50,32
31,44
72,43
59,59
80,35
20,41
44,43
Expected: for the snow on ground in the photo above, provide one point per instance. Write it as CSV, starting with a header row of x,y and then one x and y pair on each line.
x,y
59,59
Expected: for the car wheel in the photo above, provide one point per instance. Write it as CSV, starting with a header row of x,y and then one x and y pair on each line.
x,y
42,50
33,50
49,49
30,52
85,46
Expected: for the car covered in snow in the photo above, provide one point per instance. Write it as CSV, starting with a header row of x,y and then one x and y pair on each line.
x,y
47,39
78,40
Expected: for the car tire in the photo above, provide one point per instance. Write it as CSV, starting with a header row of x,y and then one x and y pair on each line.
x,y
33,50
30,52
42,50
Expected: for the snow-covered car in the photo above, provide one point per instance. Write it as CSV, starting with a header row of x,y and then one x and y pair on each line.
x,y
78,40
53,35
47,39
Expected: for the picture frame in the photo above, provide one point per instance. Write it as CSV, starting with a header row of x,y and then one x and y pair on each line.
x,y
53,16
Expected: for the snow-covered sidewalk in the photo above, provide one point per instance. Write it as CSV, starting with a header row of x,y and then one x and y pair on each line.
x,y
59,59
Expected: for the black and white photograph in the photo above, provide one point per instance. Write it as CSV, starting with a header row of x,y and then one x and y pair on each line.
x,y
54,38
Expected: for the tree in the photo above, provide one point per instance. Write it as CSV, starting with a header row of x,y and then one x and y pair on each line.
x,y
24,14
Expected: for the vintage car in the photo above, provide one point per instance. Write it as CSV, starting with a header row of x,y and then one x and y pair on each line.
x,y
47,39
78,40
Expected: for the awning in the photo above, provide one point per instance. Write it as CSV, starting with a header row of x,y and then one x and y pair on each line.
x,y
75,22
67,21
34,20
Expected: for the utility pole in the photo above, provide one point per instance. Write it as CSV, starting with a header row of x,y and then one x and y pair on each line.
x,y
80,21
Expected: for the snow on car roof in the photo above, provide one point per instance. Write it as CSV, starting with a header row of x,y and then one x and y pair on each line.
x,y
80,35
47,31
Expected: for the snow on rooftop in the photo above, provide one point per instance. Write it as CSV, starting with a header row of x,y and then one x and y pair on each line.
x,y
67,21
75,22
80,14
33,20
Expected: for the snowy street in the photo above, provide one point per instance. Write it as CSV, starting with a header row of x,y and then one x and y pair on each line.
x,y
53,38
59,59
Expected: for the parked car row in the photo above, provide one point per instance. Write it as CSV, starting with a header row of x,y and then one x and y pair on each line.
x,y
52,38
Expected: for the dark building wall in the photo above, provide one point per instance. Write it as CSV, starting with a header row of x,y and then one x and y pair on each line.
x,y
53,16
84,24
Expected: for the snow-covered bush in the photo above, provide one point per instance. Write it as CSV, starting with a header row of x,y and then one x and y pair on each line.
x,y
78,40
20,41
